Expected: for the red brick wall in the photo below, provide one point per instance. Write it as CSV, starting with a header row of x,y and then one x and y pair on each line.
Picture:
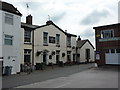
x,y
100,46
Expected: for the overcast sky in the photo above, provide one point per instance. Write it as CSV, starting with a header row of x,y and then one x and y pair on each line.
x,y
76,16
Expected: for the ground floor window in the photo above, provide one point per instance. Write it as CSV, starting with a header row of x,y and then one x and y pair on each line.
x,y
68,55
27,55
112,50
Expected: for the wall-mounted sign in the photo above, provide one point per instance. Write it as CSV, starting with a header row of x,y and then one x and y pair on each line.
x,y
98,35
97,56
97,52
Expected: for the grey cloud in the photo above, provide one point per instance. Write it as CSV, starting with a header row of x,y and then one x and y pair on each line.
x,y
87,33
58,17
94,17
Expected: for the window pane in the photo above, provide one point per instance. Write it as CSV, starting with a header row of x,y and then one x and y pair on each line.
x,y
51,39
117,50
106,50
68,41
107,34
57,51
112,50
58,39
27,36
45,38
9,19
8,40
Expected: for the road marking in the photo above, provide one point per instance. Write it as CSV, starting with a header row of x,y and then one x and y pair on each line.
x,y
62,85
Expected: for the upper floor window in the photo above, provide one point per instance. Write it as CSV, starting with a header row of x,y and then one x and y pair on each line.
x,y
9,19
51,39
27,36
58,39
45,38
68,41
107,33
8,40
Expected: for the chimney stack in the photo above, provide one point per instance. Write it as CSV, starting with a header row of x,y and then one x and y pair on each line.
x,y
79,39
49,22
66,31
29,19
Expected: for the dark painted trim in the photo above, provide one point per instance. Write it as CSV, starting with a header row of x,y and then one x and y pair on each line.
x,y
106,25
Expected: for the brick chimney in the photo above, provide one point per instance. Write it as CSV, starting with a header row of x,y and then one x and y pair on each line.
x,y
29,19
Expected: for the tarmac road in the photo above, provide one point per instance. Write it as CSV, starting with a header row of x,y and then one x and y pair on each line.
x,y
106,77
39,76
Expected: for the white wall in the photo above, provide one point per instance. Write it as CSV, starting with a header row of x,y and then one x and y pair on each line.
x,y
12,51
52,31
83,52
0,35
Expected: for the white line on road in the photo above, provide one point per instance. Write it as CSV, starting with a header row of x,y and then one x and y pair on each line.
x,y
62,85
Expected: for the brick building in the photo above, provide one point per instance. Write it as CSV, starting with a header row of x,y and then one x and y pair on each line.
x,y
108,44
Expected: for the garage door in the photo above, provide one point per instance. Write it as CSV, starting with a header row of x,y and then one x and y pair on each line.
x,y
112,57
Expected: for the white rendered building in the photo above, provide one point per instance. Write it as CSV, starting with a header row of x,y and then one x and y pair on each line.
x,y
10,21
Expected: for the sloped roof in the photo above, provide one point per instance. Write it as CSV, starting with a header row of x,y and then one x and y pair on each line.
x,y
9,8
23,25
80,43
51,23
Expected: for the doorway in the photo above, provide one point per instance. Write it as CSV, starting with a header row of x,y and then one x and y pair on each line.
x,y
87,55
13,66
45,58
57,56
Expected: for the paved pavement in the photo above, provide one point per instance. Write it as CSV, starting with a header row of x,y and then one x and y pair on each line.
x,y
105,77
39,76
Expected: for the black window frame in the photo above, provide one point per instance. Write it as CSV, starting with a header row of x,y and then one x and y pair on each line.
x,y
51,39
45,38
27,35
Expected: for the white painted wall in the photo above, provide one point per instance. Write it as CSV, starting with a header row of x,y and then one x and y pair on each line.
x,y
52,31
12,51
83,52
1,34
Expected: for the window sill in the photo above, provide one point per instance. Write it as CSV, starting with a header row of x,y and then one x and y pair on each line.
x,y
69,46
45,44
58,45
28,43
